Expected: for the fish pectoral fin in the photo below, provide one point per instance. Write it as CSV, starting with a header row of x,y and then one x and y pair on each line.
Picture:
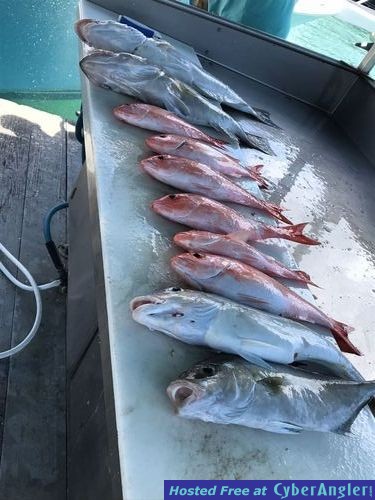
x,y
249,299
252,358
283,427
246,346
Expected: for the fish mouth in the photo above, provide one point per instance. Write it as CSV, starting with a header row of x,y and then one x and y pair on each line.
x,y
182,393
79,28
146,300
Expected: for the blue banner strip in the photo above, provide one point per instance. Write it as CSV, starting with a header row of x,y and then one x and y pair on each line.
x,y
277,490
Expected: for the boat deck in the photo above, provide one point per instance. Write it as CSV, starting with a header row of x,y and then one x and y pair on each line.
x,y
318,173
40,158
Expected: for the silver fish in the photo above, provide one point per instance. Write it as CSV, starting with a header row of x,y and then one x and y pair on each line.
x,y
204,319
118,37
135,76
281,399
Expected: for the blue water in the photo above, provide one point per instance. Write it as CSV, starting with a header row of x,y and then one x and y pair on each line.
x,y
38,49
331,37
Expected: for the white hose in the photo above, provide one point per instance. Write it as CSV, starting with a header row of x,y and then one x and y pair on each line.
x,y
32,288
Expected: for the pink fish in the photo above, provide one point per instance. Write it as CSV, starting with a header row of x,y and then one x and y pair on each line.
x,y
154,118
203,153
251,287
202,213
189,175
234,246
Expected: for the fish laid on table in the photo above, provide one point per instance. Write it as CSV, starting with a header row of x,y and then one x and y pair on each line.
x,y
249,286
209,320
235,246
159,120
117,37
203,153
189,175
199,212
137,77
282,399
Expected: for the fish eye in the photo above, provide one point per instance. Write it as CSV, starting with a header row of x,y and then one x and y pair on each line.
x,y
160,157
176,289
192,321
178,315
172,196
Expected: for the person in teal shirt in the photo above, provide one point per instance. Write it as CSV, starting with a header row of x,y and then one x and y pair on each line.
x,y
270,16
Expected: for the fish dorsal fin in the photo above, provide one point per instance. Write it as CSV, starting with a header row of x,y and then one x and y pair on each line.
x,y
241,236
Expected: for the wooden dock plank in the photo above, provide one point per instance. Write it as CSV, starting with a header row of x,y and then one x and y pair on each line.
x,y
34,439
15,136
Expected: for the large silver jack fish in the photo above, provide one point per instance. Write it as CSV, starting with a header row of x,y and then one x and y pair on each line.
x,y
281,399
135,76
118,37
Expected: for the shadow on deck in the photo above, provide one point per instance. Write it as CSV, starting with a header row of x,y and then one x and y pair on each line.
x,y
39,161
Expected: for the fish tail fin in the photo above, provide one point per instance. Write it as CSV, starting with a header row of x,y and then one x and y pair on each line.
x,y
255,142
229,136
255,173
341,333
346,329
247,139
295,233
365,392
305,278
346,345
276,212
341,328
236,102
